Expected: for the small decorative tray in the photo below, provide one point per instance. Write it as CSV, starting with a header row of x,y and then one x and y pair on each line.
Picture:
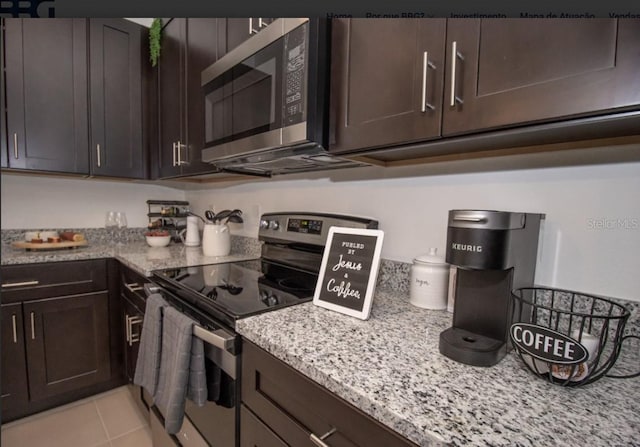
x,y
48,245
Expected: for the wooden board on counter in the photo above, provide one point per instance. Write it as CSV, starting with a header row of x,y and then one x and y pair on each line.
x,y
48,245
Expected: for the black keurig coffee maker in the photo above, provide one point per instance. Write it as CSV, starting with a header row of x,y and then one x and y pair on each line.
x,y
495,253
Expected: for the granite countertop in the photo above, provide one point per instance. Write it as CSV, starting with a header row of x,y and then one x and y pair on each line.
x,y
390,367
136,254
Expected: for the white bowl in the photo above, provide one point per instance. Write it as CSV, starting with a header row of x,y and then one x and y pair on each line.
x,y
158,241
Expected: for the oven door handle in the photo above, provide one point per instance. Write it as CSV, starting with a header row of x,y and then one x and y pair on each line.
x,y
219,338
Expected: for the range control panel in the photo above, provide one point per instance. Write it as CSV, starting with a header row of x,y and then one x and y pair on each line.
x,y
307,228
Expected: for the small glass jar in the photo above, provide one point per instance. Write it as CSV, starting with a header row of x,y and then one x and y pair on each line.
x,y
429,281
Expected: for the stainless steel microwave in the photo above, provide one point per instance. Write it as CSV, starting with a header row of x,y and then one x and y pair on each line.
x,y
267,102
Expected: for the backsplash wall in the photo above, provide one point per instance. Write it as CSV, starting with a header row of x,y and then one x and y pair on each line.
x,y
591,235
590,242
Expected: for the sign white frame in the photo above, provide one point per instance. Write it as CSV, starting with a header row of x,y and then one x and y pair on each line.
x,y
372,274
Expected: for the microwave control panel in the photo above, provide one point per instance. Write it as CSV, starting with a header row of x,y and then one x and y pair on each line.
x,y
295,75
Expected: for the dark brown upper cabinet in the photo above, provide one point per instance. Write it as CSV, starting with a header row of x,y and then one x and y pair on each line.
x,y
46,94
387,78
116,82
405,90
240,29
74,97
510,72
4,162
188,47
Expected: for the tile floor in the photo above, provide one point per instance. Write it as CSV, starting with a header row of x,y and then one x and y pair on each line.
x,y
110,419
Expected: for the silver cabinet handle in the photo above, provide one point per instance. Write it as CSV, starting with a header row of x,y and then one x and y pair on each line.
x,y
179,147
127,328
33,327
133,287
15,145
174,153
180,160
98,155
424,104
251,30
15,330
261,23
134,338
455,55
20,284
319,441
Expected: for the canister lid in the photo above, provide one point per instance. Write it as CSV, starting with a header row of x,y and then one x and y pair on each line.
x,y
430,258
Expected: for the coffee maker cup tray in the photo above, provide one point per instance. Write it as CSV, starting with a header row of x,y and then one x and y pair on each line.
x,y
565,337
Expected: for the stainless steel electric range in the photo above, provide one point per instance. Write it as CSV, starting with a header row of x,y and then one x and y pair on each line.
x,y
217,295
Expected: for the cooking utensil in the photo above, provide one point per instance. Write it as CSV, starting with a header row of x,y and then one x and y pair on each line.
x,y
222,215
210,215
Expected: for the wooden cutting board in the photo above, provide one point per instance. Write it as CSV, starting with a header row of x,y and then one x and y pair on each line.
x,y
48,245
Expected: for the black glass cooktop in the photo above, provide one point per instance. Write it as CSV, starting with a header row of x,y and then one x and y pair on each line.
x,y
235,290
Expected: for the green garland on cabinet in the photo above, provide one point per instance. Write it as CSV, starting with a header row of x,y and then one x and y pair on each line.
x,y
155,33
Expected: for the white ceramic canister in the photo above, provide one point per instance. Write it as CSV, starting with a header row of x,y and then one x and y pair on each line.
x,y
216,240
429,281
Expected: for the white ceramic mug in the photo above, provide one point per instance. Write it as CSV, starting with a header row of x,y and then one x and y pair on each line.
x,y
216,240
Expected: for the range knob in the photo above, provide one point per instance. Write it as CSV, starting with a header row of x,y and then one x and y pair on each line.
x,y
274,225
264,224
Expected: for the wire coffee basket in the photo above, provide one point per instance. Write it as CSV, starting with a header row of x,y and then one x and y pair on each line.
x,y
568,338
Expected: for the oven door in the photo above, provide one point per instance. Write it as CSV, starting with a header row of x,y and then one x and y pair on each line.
x,y
217,422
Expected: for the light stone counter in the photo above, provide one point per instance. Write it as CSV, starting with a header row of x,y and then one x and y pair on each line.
x,y
137,255
390,367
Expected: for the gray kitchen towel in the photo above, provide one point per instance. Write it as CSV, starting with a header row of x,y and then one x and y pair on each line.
x,y
148,363
182,373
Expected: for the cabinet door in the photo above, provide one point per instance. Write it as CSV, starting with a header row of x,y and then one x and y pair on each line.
x,y
46,85
171,93
67,343
116,98
237,31
511,71
4,162
202,51
240,29
132,318
15,394
253,433
294,407
386,81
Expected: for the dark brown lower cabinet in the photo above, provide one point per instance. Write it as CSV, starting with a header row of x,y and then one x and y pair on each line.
x,y
288,409
253,432
67,343
15,393
60,342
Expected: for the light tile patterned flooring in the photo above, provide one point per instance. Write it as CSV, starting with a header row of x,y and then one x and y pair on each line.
x,y
110,419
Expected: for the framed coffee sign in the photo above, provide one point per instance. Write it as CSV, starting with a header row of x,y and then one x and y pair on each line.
x,y
349,270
